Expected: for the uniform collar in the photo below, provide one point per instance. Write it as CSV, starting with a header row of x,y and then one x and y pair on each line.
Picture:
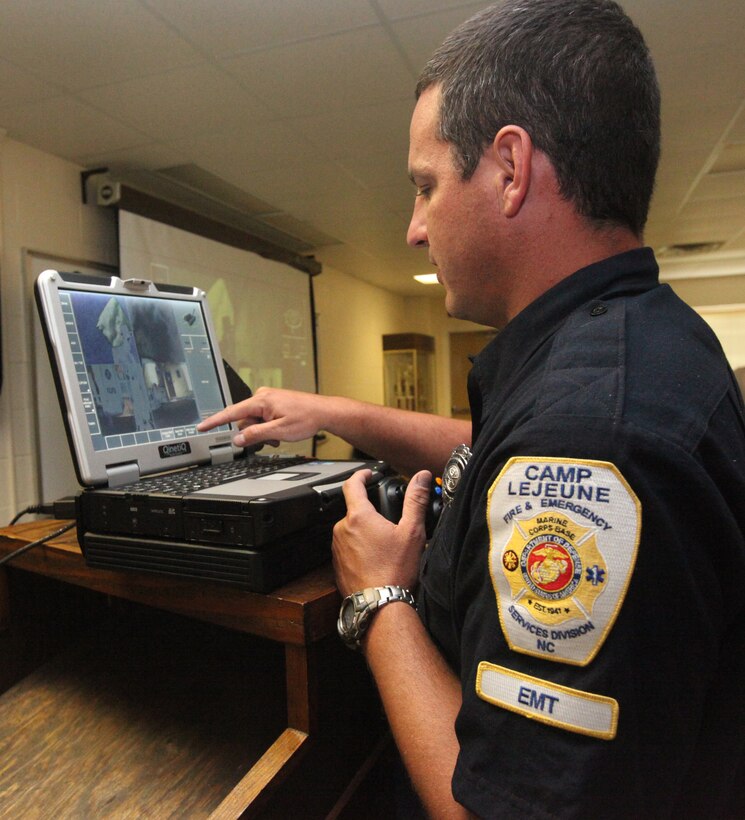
x,y
501,360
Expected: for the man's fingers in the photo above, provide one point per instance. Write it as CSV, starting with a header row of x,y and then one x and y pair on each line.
x,y
235,412
417,499
254,431
355,489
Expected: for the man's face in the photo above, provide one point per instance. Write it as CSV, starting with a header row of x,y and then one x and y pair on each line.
x,y
456,220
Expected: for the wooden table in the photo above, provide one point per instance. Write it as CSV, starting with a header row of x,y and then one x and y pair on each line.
x,y
297,615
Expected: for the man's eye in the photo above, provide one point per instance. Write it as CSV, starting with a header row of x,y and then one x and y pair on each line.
x,y
422,190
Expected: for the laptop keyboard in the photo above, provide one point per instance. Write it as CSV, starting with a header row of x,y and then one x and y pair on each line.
x,y
211,475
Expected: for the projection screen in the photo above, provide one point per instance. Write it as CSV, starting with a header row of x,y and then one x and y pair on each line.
x,y
262,309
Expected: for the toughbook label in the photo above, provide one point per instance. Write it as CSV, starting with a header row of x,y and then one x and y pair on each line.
x,y
563,542
550,703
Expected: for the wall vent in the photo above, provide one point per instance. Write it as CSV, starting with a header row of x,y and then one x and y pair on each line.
x,y
688,248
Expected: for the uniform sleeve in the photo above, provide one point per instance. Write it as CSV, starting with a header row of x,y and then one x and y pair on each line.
x,y
595,599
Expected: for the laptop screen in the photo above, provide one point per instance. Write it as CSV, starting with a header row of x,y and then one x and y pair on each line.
x,y
137,365
144,366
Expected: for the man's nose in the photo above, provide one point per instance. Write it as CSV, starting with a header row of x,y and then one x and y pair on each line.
x,y
416,236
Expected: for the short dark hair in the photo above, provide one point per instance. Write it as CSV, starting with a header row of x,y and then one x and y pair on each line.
x,y
578,76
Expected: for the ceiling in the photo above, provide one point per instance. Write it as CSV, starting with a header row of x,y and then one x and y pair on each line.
x,y
290,117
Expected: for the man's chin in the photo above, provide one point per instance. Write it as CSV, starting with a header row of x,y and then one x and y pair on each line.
x,y
453,310
466,312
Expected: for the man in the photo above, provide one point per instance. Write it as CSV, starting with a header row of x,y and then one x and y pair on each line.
x,y
578,648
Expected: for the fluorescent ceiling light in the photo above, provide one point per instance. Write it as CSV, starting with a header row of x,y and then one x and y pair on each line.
x,y
427,278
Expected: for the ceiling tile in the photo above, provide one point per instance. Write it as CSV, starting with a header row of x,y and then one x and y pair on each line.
x,y
379,169
329,74
235,153
147,157
19,87
85,132
676,27
380,245
696,96
401,9
234,26
677,175
731,158
656,232
711,229
344,134
715,208
737,243
393,273
343,256
398,198
420,36
195,99
715,186
737,131
82,43
366,224
195,177
283,185
300,229
347,210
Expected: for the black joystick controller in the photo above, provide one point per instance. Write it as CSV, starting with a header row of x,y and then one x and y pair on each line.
x,y
387,495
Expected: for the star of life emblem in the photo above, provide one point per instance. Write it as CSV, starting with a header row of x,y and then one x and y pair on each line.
x,y
563,542
453,472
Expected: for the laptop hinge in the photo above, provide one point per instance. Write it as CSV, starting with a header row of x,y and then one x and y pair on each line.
x,y
120,474
221,453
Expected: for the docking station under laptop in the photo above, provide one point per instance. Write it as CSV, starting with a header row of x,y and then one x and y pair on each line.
x,y
137,366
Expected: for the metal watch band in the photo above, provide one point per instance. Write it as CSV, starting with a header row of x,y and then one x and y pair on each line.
x,y
364,604
390,593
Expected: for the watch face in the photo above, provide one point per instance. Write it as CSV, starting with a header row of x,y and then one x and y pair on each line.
x,y
346,616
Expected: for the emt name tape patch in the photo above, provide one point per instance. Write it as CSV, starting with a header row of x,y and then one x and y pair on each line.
x,y
563,541
551,703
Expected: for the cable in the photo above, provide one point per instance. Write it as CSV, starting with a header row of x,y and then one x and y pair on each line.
x,y
61,508
11,555
45,509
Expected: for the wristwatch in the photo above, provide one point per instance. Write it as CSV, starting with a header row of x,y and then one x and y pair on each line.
x,y
358,608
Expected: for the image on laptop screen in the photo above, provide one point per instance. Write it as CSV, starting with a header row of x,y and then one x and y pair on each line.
x,y
144,366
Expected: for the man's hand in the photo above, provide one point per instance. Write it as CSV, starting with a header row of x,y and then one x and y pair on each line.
x,y
369,550
404,439
272,415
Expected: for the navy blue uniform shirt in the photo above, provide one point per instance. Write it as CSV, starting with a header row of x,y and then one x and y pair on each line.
x,y
613,674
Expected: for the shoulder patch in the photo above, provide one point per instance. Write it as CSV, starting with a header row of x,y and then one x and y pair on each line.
x,y
563,541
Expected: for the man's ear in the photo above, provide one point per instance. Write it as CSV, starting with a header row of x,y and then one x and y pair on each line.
x,y
513,153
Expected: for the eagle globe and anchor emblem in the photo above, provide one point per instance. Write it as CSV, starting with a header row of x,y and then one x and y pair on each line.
x,y
551,568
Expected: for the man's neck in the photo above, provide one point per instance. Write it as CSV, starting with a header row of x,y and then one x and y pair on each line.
x,y
561,252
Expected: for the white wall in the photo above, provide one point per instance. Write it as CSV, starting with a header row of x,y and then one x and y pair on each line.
x,y
40,210
352,317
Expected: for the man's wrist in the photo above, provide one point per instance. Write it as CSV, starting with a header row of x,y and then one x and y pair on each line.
x,y
386,626
357,610
342,416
